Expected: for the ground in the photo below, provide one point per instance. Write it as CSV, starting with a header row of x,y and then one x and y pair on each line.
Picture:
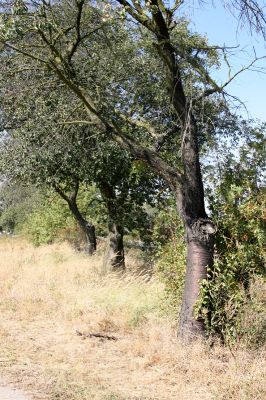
x,y
8,393
52,297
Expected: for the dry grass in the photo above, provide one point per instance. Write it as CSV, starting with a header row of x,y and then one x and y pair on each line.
x,y
48,293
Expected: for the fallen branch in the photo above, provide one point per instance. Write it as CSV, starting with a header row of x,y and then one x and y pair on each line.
x,y
95,335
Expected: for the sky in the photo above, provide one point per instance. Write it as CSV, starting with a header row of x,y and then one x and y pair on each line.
x,y
222,28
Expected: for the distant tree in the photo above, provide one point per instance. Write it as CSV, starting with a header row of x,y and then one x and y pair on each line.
x,y
17,201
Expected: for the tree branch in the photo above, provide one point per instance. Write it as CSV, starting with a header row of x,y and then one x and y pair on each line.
x,y
221,88
73,193
140,123
73,47
150,157
22,51
138,14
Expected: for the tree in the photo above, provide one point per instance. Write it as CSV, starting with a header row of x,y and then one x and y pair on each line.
x,y
31,156
166,55
66,155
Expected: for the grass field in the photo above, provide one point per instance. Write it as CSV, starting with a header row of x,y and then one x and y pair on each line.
x,y
50,293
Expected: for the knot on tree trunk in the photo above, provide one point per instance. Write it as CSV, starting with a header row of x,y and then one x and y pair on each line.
x,y
202,230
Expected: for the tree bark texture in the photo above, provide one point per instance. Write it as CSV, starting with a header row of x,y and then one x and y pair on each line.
x,y
199,240
90,237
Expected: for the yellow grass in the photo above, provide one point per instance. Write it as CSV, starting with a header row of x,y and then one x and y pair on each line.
x,y
49,293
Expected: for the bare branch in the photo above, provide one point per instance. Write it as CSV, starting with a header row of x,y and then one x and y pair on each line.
x,y
22,51
251,12
74,45
247,67
221,88
76,122
73,193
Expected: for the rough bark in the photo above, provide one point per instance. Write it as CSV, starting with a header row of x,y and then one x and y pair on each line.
x,y
188,187
190,199
199,232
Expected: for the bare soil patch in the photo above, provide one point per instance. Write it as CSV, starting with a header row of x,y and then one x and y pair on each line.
x,y
9,393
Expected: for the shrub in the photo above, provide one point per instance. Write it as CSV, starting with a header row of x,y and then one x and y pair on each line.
x,y
240,257
252,319
170,257
48,222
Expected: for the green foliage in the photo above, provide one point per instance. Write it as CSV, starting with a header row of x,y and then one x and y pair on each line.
x,y
237,202
240,248
170,256
17,202
92,207
94,78
47,222
221,300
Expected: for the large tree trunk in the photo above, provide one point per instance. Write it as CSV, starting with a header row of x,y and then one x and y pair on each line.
x,y
187,182
199,239
190,193
199,233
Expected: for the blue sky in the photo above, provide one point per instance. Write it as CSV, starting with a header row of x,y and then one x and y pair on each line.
x,y
221,27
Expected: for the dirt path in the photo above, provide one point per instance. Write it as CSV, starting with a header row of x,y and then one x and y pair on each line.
x,y
7,393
